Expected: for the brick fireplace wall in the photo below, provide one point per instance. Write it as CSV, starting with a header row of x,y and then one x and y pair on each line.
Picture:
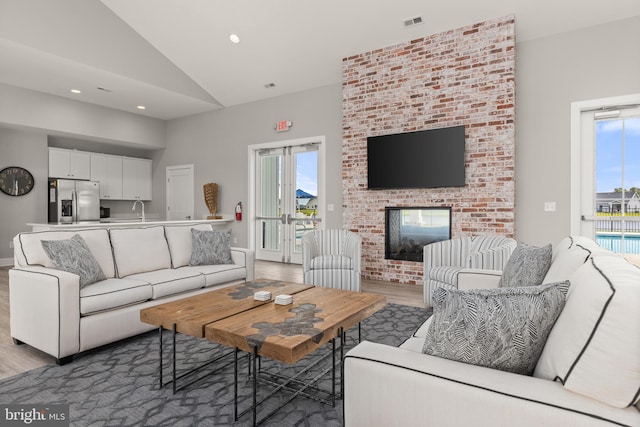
x,y
465,77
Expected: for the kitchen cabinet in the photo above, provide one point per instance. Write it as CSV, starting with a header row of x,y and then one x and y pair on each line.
x,y
136,179
108,171
69,164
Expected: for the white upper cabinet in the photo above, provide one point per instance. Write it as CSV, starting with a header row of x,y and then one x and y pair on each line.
x,y
69,164
136,179
108,171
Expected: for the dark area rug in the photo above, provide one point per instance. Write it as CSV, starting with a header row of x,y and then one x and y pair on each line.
x,y
117,385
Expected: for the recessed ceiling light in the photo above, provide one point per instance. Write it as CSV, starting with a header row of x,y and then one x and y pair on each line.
x,y
76,91
141,107
234,38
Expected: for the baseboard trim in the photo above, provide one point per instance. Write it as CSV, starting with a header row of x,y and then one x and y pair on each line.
x,y
6,262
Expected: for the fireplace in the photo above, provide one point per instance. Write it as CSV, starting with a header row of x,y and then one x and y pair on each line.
x,y
408,229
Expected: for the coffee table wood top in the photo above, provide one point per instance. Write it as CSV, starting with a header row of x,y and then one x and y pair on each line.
x,y
290,332
191,314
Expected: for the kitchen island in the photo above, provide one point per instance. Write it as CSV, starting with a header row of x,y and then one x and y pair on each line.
x,y
126,223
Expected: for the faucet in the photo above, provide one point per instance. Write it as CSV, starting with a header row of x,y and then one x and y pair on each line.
x,y
134,208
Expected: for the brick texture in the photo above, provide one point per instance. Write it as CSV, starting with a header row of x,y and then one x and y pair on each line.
x,y
459,77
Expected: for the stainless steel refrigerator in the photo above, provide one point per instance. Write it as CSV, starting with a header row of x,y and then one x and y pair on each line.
x,y
73,201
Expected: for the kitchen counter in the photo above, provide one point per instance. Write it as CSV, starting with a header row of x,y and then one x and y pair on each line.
x,y
125,223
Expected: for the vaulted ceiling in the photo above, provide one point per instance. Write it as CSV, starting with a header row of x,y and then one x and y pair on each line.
x,y
175,57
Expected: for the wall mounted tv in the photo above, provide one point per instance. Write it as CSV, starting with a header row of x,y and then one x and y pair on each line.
x,y
424,159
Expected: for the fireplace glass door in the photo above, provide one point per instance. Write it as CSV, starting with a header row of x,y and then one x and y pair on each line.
x,y
409,229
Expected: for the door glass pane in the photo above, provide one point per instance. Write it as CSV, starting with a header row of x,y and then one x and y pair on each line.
x,y
618,185
271,201
306,197
632,165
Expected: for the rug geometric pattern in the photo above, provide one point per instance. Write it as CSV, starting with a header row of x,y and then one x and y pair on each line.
x,y
117,385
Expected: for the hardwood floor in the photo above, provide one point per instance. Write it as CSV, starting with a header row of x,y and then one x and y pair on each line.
x,y
21,358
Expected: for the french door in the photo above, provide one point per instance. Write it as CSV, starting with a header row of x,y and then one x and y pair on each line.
x,y
287,200
611,178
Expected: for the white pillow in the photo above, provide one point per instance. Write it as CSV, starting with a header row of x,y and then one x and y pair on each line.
x,y
138,250
179,239
594,347
30,251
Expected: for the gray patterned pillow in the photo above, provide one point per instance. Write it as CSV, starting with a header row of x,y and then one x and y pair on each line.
x,y
210,247
527,266
503,328
74,256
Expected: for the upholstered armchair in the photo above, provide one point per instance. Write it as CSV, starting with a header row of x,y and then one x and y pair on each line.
x,y
331,258
446,263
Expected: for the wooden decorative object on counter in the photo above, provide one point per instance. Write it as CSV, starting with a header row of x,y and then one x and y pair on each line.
x,y
211,199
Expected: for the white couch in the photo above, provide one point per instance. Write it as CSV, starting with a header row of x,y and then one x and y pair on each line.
x,y
143,267
588,373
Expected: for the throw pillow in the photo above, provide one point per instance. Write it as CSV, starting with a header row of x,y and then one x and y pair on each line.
x,y
210,247
74,256
527,266
503,328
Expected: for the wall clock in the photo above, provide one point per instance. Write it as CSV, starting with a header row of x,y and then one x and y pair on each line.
x,y
16,181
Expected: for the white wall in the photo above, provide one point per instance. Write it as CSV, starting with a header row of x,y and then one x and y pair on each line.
x,y
57,115
551,73
216,143
27,150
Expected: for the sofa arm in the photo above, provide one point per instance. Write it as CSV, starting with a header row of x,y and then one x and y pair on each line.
x,y
245,257
388,386
471,278
45,309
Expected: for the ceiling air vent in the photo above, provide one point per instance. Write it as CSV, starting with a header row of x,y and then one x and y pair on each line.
x,y
270,85
413,21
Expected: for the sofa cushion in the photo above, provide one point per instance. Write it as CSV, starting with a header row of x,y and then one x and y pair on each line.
x,y
170,281
503,328
211,247
73,255
138,250
569,254
29,250
180,242
527,266
220,273
112,293
594,348
322,262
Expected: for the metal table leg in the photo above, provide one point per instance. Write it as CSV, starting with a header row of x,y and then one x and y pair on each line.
x,y
160,354
255,386
174,358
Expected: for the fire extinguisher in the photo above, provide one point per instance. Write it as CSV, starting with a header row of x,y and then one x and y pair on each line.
x,y
239,211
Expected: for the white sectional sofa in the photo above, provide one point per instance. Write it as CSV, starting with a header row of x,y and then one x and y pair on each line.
x,y
144,266
588,373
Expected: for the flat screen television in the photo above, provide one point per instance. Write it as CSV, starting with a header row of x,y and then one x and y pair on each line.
x,y
424,159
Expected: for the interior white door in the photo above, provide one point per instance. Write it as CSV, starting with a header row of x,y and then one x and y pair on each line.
x,y
180,192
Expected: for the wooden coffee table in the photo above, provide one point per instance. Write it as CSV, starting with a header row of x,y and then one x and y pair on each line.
x,y
290,332
190,315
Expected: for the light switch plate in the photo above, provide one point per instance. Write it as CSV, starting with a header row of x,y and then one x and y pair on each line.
x,y
549,206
